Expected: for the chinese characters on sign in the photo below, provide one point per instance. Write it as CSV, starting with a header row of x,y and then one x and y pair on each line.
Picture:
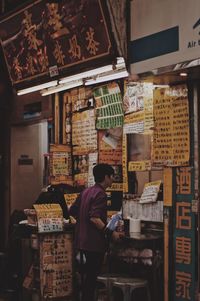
x,y
184,239
171,138
49,217
60,164
56,265
43,34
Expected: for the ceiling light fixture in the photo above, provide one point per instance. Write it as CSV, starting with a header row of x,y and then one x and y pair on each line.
x,y
61,87
101,79
95,72
37,88
184,74
161,86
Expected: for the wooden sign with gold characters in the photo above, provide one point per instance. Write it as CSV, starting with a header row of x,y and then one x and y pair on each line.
x,y
55,34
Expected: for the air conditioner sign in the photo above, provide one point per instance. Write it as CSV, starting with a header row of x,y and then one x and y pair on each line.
x,y
163,34
195,43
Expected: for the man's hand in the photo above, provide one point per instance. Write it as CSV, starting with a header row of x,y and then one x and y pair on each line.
x,y
116,236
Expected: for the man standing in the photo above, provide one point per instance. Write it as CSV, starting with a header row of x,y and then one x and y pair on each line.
x,y
91,234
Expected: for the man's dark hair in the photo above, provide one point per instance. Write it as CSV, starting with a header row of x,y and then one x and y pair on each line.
x,y
101,170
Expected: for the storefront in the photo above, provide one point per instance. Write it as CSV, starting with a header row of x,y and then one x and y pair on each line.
x,y
147,130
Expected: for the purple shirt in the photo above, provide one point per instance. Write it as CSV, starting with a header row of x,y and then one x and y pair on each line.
x,y
92,203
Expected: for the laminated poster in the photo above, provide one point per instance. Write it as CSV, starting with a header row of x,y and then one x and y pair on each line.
x,y
138,106
134,96
150,192
109,106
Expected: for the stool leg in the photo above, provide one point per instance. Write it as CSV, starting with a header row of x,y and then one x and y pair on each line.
x,y
148,293
127,294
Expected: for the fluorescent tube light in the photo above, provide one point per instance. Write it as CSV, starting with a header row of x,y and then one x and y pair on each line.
x,y
62,87
112,76
161,86
37,88
86,74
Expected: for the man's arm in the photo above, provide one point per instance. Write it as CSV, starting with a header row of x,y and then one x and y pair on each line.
x,y
99,224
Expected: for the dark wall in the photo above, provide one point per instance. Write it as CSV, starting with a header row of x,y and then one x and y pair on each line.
x,y
6,96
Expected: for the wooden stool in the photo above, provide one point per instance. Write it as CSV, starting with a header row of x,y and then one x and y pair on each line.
x,y
127,287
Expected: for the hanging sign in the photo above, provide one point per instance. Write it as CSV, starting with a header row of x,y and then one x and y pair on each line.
x,y
46,37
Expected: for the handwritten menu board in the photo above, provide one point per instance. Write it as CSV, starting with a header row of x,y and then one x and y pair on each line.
x,y
171,139
150,192
56,265
70,198
108,153
84,134
109,106
49,217
134,123
60,164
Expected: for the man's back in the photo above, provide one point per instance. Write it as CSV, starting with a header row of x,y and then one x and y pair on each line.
x,y
93,203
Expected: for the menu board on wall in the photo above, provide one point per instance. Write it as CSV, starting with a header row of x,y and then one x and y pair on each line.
x,y
56,265
110,152
58,34
109,108
171,139
60,164
84,134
